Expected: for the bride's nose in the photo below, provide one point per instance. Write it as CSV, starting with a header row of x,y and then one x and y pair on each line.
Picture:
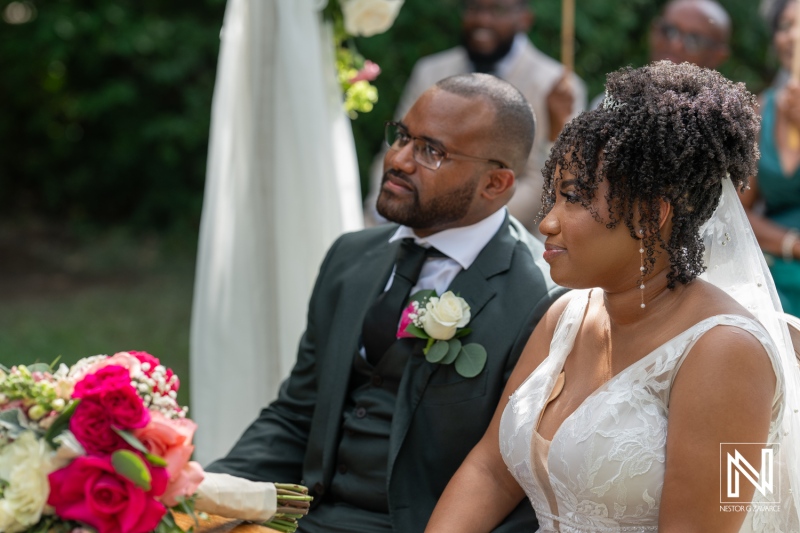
x,y
550,224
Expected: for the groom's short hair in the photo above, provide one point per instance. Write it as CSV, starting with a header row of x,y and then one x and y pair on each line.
x,y
514,122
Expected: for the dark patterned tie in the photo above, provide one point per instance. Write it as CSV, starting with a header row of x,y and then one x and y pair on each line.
x,y
380,324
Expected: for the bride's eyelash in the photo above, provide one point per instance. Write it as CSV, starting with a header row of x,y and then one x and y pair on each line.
x,y
570,197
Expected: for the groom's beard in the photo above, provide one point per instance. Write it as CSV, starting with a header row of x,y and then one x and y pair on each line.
x,y
416,214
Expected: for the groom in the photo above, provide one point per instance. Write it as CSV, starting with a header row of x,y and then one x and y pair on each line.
x,y
374,429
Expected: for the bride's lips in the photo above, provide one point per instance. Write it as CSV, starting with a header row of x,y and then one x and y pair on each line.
x,y
397,184
551,251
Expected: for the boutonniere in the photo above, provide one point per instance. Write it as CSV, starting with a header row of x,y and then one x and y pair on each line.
x,y
441,320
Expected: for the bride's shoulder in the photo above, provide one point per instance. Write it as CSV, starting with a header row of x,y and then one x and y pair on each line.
x,y
708,300
555,311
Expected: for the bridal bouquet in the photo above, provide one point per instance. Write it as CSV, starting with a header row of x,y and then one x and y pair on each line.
x,y
102,445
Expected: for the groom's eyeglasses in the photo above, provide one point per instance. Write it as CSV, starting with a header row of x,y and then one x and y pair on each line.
x,y
425,153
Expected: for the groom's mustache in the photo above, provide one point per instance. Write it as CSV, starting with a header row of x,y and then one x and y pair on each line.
x,y
398,176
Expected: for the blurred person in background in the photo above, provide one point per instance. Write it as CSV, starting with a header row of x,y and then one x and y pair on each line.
x,y
495,41
695,31
773,200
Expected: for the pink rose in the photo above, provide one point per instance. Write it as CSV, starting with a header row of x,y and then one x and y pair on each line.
x,y
405,320
122,359
126,408
170,439
106,378
111,387
88,490
91,425
368,73
184,484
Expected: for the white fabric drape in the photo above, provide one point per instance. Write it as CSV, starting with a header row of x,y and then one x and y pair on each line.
x,y
281,185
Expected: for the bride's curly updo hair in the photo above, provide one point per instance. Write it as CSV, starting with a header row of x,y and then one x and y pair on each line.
x,y
663,131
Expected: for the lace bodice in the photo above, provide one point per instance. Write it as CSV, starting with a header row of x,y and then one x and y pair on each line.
x,y
606,461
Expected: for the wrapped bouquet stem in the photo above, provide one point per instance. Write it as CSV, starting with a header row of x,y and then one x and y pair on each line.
x,y
277,505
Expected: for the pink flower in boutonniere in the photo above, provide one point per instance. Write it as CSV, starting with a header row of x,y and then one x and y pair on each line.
x,y
368,72
441,321
407,318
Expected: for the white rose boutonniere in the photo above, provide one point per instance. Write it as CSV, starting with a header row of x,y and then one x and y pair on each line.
x,y
369,17
441,320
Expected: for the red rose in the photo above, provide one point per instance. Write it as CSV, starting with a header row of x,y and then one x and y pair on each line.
x,y
125,407
88,490
91,424
107,378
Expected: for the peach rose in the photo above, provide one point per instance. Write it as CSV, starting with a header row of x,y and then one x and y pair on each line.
x,y
172,440
184,484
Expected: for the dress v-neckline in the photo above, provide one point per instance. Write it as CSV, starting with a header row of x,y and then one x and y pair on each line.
x,y
613,378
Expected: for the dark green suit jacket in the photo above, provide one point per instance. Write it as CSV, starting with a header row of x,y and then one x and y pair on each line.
x,y
439,415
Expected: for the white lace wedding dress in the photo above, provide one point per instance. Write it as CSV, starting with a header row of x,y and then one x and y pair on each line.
x,y
604,469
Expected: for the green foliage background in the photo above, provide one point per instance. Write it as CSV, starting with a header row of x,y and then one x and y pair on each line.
x,y
106,103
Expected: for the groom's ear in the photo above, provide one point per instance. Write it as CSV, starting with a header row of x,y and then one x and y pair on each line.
x,y
498,184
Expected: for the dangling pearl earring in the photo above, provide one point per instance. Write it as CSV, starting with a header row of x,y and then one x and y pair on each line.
x,y
641,268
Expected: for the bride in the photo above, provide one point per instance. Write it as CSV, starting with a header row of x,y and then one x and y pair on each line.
x,y
632,391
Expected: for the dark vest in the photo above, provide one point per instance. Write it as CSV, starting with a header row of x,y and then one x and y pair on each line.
x,y
362,462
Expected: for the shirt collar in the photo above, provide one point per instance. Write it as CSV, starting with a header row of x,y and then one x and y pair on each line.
x,y
461,244
503,67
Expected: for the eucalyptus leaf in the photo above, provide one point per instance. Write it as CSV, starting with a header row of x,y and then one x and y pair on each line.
x,y
60,424
454,347
471,360
129,465
437,352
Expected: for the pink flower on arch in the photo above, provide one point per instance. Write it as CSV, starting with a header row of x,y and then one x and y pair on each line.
x,y
369,72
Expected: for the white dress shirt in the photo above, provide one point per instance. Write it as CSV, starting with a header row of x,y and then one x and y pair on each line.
x,y
461,246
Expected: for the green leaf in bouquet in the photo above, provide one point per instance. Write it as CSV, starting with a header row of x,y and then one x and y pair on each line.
x,y
129,465
453,348
471,360
462,332
437,352
39,367
60,424
168,525
417,332
136,444
13,422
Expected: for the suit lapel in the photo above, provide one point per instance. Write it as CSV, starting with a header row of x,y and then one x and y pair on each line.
x,y
472,285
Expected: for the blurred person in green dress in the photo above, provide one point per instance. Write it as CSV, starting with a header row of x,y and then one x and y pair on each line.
x,y
773,200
